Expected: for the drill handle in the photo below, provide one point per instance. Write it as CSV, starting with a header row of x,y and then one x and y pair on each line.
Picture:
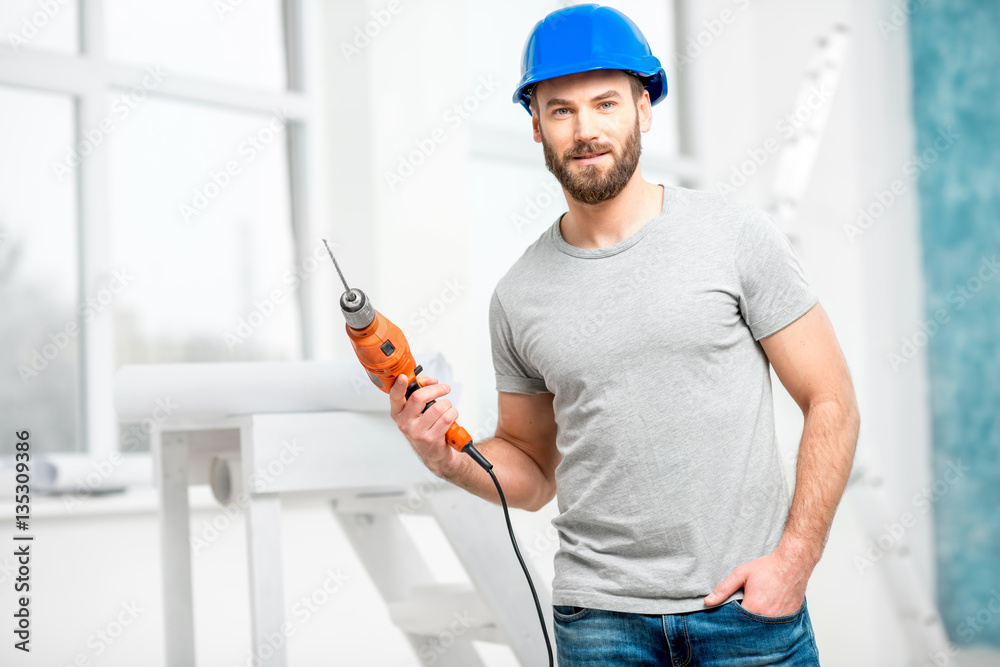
x,y
414,385
456,437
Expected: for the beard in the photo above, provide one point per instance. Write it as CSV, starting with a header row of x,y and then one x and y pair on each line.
x,y
590,185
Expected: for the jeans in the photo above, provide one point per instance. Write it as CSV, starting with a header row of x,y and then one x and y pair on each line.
x,y
723,636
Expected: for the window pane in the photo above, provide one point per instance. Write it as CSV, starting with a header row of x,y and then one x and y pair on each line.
x,y
241,45
52,25
39,334
200,222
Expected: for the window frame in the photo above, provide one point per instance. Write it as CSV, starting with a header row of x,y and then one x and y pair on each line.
x,y
87,77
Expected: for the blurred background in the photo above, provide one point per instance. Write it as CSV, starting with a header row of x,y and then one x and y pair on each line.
x,y
167,171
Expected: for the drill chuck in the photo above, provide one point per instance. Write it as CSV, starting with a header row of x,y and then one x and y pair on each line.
x,y
357,309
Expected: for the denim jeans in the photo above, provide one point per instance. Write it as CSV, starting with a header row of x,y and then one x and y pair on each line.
x,y
723,636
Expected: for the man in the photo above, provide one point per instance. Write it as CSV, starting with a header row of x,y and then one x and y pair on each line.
x,y
632,343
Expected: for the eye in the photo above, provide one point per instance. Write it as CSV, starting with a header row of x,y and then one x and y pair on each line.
x,y
605,105
557,111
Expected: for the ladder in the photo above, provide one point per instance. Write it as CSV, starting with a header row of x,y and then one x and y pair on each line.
x,y
922,624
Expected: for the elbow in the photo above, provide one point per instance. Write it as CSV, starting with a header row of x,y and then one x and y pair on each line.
x,y
852,414
543,498
845,406
843,412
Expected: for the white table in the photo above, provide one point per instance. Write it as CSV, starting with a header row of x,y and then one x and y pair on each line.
x,y
319,461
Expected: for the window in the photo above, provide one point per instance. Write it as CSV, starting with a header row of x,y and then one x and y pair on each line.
x,y
40,385
148,210
44,26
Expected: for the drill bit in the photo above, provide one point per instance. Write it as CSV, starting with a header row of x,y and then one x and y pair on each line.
x,y
355,306
337,266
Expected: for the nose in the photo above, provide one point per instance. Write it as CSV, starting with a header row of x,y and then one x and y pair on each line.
x,y
587,126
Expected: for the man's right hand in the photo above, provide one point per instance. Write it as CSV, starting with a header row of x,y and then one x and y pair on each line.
x,y
425,432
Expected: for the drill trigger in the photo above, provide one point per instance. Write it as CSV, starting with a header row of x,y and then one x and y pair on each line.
x,y
414,386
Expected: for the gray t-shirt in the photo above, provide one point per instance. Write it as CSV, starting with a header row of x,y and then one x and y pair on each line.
x,y
671,474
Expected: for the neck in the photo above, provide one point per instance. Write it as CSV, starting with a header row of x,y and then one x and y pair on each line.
x,y
610,222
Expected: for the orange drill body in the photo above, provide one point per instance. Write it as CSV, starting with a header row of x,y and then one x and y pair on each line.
x,y
385,353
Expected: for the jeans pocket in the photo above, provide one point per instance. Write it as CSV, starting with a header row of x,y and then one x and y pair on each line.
x,y
788,618
568,613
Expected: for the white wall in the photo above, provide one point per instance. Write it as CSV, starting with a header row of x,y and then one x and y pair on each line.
x,y
870,288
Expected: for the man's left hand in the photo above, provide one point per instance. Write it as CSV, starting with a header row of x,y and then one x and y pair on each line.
x,y
773,585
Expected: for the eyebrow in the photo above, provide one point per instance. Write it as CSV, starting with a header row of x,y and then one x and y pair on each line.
x,y
608,94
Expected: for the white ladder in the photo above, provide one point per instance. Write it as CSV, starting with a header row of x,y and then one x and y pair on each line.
x,y
914,604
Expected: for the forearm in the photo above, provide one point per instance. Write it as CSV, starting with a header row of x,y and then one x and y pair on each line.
x,y
826,452
524,485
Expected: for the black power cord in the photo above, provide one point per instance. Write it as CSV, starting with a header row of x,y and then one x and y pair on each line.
x,y
488,467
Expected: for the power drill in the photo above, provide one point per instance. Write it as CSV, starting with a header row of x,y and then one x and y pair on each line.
x,y
384,352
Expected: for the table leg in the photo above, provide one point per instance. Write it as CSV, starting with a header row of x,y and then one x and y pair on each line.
x,y
171,451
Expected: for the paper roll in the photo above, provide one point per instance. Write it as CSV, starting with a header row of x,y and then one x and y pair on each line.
x,y
206,391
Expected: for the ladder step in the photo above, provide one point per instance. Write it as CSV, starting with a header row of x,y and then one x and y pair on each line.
x,y
439,609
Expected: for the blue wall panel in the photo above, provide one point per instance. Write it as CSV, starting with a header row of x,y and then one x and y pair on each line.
x,y
956,91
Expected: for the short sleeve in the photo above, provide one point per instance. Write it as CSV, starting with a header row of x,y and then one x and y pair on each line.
x,y
773,288
512,373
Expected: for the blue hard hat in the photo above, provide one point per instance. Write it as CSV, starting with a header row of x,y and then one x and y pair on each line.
x,y
583,38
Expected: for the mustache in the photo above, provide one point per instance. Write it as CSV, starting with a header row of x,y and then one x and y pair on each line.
x,y
588,149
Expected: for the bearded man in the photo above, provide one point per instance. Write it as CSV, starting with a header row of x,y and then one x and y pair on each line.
x,y
632,344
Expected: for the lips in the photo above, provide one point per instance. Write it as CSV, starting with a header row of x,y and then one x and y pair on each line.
x,y
589,155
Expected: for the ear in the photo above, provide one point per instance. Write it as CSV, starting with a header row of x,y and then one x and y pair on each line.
x,y
535,120
645,110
